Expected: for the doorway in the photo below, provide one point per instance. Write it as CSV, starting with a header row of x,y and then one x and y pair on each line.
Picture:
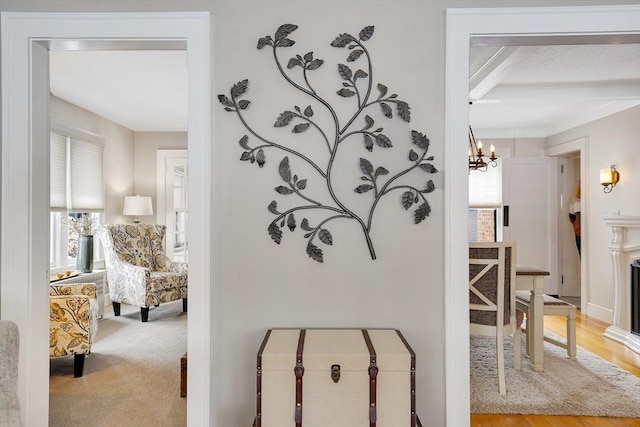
x,y
27,38
570,229
573,156
462,24
102,90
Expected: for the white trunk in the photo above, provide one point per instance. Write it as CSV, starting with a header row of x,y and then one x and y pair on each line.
x,y
344,403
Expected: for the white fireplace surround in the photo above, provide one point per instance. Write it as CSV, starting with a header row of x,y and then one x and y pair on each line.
x,y
625,248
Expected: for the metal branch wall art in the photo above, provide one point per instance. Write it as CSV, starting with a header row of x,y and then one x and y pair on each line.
x,y
378,180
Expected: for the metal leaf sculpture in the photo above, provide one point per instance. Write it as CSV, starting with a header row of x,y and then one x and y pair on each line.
x,y
357,85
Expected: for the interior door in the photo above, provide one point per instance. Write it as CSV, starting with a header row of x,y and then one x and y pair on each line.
x,y
530,194
569,257
173,201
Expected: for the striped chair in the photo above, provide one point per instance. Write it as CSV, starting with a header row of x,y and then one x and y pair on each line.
x,y
492,283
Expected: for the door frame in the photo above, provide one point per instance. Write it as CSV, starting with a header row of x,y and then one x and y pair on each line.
x,y
164,156
461,25
24,260
580,145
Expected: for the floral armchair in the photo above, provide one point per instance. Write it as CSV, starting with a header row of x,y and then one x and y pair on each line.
x,y
73,321
138,271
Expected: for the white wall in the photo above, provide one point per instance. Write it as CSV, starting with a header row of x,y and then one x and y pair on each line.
x,y
262,285
515,147
147,145
129,157
118,153
610,140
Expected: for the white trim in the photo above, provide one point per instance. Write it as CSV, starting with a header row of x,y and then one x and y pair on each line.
x,y
625,249
24,266
622,221
582,146
456,261
461,25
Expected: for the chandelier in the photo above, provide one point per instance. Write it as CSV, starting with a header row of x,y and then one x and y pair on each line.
x,y
476,156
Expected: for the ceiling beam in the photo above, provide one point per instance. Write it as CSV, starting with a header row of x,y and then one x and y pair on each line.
x,y
495,69
536,92
554,39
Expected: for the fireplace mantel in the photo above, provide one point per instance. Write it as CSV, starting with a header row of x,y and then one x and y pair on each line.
x,y
625,248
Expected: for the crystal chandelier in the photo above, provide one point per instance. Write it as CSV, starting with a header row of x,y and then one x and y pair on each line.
x,y
476,156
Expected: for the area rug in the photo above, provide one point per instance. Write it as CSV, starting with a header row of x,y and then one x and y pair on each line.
x,y
131,377
588,386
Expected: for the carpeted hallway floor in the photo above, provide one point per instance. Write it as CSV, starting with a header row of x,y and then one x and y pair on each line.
x,y
131,377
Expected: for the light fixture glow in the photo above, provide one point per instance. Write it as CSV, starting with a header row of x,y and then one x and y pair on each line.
x,y
609,177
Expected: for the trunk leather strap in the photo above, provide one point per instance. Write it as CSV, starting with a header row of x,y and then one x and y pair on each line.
x,y
414,416
299,372
258,421
373,379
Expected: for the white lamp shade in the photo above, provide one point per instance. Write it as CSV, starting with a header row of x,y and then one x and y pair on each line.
x,y
137,206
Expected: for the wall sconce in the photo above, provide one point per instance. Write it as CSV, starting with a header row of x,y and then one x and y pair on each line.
x,y
609,178
137,206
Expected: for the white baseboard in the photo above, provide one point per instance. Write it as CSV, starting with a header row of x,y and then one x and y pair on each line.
x,y
600,313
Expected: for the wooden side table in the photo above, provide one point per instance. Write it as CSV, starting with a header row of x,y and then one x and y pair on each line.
x,y
183,376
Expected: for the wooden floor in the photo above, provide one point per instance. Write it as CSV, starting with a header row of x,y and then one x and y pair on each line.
x,y
590,336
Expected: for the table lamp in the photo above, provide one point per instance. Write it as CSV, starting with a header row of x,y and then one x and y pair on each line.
x,y
137,206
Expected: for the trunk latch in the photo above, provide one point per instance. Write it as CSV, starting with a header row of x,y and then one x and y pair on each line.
x,y
335,373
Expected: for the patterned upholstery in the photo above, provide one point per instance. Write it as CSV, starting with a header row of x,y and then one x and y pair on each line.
x,y
138,271
73,320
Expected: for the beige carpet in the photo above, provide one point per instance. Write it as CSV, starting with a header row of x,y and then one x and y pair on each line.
x,y
131,377
589,386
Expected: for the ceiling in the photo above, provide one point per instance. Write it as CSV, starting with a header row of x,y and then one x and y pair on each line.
x,y
518,91
143,90
538,91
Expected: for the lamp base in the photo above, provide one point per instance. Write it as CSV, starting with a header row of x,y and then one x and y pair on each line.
x,y
136,220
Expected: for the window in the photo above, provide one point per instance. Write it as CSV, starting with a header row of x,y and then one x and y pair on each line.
x,y
76,187
63,249
173,201
485,188
179,231
482,225
485,204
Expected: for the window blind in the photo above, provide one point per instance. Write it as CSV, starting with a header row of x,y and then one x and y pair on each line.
x,y
58,171
76,174
485,188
